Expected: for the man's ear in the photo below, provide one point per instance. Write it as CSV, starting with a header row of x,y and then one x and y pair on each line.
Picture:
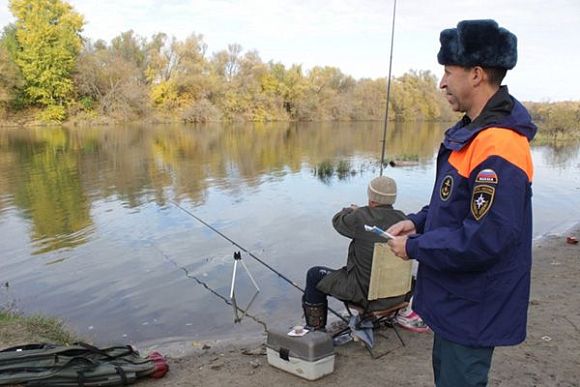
x,y
478,75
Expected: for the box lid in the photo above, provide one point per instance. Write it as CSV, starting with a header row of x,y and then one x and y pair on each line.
x,y
312,346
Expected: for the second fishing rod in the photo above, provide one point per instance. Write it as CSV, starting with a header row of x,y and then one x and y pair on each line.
x,y
250,254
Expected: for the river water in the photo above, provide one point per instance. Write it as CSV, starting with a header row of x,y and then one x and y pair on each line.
x,y
91,230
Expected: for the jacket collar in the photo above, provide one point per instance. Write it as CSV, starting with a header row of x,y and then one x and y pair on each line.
x,y
502,110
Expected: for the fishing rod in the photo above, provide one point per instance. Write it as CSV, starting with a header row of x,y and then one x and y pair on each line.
x,y
388,88
249,253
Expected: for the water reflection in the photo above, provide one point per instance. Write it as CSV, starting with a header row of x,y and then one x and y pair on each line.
x,y
45,182
561,155
52,175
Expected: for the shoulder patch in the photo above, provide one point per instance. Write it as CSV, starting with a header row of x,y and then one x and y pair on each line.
x,y
481,200
446,187
486,176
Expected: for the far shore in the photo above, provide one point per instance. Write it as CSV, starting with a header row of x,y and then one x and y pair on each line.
x,y
543,137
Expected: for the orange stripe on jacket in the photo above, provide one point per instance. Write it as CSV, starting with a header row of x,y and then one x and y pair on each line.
x,y
504,143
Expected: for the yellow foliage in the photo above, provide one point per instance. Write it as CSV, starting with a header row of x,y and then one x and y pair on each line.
x,y
48,35
165,94
269,84
52,113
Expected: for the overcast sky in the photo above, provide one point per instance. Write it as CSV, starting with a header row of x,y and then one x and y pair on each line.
x,y
354,35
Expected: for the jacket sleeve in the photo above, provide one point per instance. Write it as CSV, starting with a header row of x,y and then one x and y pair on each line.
x,y
480,240
345,222
419,219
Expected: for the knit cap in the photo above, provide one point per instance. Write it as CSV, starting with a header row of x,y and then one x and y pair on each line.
x,y
382,190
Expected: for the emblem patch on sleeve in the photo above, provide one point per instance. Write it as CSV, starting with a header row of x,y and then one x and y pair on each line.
x,y
487,176
481,200
446,187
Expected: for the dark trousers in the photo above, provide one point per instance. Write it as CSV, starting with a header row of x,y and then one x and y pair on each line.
x,y
314,275
458,365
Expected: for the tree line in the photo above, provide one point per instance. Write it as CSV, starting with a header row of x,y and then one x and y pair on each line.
x,y
48,68
556,120
47,65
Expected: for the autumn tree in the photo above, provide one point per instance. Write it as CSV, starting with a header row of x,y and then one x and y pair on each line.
x,y
229,61
159,58
130,47
415,97
291,86
369,98
554,119
11,81
187,83
190,69
326,95
49,41
112,81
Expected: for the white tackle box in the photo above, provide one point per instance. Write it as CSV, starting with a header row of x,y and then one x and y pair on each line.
x,y
310,356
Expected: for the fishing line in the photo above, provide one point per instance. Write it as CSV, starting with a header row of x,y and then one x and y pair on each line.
x,y
388,89
249,253
237,245
212,291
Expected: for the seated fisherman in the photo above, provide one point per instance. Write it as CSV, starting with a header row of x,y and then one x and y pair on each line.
x,y
351,282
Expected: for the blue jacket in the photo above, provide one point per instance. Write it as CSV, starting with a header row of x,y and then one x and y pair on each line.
x,y
474,241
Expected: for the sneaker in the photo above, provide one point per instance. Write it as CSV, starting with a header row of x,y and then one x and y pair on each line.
x,y
412,322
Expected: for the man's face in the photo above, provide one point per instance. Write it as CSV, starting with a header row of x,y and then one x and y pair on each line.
x,y
457,87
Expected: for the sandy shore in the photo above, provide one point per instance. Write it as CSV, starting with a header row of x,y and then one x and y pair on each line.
x,y
550,356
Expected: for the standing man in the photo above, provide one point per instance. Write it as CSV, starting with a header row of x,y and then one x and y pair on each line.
x,y
473,240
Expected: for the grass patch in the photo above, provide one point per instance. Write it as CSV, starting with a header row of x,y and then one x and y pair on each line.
x,y
325,170
16,329
407,157
343,169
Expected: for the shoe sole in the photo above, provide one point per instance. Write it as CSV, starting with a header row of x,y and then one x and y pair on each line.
x,y
415,330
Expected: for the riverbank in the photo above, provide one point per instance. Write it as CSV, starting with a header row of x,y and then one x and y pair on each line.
x,y
16,329
550,355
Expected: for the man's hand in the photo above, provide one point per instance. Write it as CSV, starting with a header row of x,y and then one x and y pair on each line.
x,y
398,246
404,227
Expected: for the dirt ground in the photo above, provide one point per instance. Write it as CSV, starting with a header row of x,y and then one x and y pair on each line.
x,y
550,356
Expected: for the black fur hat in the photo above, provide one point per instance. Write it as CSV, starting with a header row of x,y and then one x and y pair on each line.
x,y
478,43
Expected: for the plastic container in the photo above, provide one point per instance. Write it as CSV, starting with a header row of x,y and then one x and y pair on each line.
x,y
310,356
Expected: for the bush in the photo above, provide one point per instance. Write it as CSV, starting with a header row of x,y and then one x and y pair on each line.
x,y
87,103
52,113
201,111
557,119
343,169
164,94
